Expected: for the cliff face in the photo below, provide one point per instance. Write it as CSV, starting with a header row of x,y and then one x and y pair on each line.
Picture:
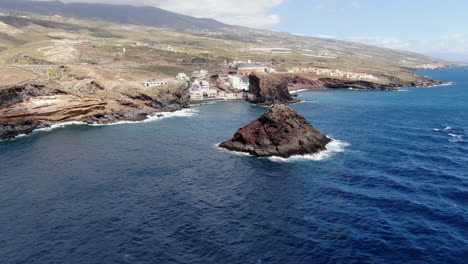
x,y
270,89
297,82
363,85
274,88
281,132
26,107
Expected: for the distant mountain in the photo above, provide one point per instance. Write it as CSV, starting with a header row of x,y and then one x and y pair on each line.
x,y
126,14
156,17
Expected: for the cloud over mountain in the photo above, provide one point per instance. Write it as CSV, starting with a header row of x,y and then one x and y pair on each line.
x,y
237,12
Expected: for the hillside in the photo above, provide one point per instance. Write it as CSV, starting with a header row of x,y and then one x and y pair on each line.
x,y
155,17
57,69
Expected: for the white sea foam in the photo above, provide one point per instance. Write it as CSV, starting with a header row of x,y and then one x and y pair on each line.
x,y
456,140
59,125
448,128
334,147
446,84
237,153
154,117
455,135
307,102
437,129
298,91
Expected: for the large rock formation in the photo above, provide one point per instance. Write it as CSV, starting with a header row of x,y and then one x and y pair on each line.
x,y
296,82
269,89
281,132
28,106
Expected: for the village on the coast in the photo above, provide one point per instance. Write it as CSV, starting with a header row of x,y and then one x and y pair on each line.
x,y
234,84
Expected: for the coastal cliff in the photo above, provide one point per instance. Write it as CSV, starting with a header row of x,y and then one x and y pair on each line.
x,y
29,106
280,132
296,82
269,89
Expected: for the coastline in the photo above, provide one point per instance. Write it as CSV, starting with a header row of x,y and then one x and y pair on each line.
x,y
21,110
187,112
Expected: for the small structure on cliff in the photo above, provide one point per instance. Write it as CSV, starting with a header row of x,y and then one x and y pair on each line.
x,y
281,132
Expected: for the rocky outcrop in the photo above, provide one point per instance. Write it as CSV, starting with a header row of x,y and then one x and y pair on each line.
x,y
26,107
276,88
297,82
281,132
422,81
269,89
11,131
51,108
20,92
356,84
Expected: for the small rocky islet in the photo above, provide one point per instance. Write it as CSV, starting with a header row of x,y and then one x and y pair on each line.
x,y
280,132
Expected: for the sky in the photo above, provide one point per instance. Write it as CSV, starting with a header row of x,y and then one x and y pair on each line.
x,y
433,27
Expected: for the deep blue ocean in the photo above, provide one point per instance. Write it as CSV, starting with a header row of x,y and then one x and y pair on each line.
x,y
394,190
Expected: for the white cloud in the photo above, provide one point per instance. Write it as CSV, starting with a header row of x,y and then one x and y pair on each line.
x,y
252,13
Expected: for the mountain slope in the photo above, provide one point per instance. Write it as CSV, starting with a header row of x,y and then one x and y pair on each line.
x,y
149,16
155,17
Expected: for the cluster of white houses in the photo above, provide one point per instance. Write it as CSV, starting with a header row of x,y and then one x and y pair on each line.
x,y
336,73
200,88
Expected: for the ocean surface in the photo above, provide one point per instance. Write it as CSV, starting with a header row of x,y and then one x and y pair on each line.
x,y
392,189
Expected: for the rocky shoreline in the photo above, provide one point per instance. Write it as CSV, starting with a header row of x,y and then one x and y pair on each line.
x,y
30,106
268,89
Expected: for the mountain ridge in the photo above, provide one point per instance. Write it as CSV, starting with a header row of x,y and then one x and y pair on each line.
x,y
156,17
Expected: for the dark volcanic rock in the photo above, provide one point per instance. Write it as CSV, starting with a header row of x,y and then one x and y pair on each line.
x,y
11,131
282,132
363,85
270,89
199,60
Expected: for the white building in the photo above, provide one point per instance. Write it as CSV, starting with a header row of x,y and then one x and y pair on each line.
x,y
242,95
231,96
182,77
196,95
203,74
238,82
222,95
155,83
212,93
205,85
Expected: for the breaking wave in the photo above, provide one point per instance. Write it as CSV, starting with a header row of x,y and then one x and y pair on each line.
x,y
151,118
156,117
334,147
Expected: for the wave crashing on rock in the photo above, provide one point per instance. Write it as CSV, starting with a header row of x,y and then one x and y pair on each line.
x,y
280,132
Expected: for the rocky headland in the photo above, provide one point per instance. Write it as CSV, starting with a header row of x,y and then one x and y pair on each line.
x,y
298,82
29,106
270,89
280,132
